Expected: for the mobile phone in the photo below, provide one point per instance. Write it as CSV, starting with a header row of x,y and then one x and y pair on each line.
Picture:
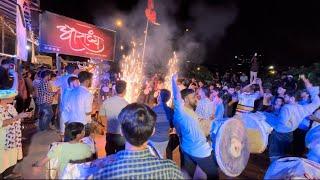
x,y
29,110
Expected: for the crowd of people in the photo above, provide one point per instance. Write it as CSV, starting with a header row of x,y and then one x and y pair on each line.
x,y
141,136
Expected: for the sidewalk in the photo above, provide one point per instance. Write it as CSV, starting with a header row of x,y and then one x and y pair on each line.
x,y
37,149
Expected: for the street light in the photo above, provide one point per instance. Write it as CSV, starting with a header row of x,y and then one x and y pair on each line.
x,y
119,23
271,67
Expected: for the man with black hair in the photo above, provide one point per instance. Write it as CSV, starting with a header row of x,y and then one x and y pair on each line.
x,y
79,102
109,112
45,98
247,96
136,161
164,122
193,141
72,150
73,82
289,118
62,81
7,62
204,106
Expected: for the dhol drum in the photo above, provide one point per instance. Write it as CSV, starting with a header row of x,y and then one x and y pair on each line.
x,y
231,147
293,168
257,129
312,141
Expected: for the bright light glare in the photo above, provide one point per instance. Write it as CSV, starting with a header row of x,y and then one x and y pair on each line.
x,y
119,23
271,67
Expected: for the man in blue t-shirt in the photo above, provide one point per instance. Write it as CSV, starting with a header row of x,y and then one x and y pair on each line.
x,y
193,142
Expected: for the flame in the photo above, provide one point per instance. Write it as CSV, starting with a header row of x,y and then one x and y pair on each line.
x,y
173,68
132,73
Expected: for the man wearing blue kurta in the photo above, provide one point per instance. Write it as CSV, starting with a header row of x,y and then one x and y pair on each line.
x,y
193,142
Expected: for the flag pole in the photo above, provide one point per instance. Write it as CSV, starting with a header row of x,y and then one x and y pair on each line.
x,y
145,41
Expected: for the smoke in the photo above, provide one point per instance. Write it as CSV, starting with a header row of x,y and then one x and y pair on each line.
x,y
207,25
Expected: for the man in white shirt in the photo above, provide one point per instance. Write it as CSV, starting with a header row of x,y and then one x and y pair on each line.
x,y
109,112
193,142
205,106
62,83
79,102
247,97
73,82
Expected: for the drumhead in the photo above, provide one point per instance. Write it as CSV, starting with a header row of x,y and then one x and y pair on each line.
x,y
293,168
255,123
232,148
313,137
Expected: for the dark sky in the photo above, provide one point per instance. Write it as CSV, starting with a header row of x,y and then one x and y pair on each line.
x,y
284,32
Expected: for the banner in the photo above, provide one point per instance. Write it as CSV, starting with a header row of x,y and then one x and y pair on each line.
x,y
21,45
59,34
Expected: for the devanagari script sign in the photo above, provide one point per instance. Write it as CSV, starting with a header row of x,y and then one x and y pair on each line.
x,y
59,34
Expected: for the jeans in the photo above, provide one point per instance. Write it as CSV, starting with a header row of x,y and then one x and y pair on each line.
x,y
114,143
207,164
46,115
55,118
253,76
280,145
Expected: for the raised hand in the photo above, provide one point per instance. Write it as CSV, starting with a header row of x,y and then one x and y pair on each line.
x,y
175,77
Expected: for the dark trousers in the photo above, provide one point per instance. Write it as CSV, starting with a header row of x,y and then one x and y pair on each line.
x,y
172,145
299,142
207,164
280,145
114,143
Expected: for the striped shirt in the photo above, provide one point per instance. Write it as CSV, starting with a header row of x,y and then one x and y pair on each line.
x,y
138,165
246,102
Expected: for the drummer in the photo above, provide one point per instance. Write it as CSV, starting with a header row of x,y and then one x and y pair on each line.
x,y
292,113
195,148
247,96
289,118
310,140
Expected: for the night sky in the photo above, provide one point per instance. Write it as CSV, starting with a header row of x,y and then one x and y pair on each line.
x,y
286,33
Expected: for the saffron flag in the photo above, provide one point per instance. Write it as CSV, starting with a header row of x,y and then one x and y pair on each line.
x,y
151,13
21,33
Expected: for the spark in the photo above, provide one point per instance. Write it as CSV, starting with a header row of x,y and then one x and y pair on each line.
x,y
132,73
173,68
